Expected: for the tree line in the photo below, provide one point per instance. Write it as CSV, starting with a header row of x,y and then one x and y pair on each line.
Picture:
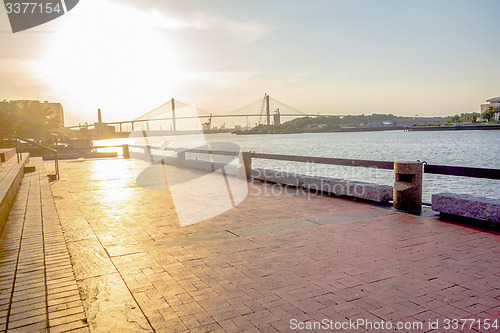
x,y
27,120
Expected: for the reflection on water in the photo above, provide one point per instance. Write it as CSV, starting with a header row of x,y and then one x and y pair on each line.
x,y
460,148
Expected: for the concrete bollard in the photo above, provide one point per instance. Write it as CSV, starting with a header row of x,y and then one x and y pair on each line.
x,y
181,157
126,152
407,193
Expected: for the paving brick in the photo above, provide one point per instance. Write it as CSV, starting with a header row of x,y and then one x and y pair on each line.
x,y
66,312
63,287
29,301
16,308
80,316
41,319
63,300
28,314
31,327
62,294
73,327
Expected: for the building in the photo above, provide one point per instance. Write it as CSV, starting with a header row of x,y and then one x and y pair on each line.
x,y
408,122
316,125
427,120
101,129
492,103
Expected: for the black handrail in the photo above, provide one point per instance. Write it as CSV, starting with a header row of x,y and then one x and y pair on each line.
x,y
462,171
54,151
188,150
327,160
447,170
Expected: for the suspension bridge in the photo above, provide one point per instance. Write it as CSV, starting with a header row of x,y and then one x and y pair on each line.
x,y
172,114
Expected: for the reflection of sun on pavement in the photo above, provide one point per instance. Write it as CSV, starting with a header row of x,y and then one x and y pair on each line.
x,y
115,195
110,170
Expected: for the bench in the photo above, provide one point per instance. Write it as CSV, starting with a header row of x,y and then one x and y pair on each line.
x,y
6,154
339,187
11,175
465,205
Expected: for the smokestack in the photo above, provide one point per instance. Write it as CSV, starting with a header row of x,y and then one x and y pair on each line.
x,y
99,117
173,116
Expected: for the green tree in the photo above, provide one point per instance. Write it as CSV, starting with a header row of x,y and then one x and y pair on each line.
x,y
9,118
29,119
490,112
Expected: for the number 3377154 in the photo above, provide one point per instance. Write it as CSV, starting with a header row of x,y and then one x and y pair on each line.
x,y
33,7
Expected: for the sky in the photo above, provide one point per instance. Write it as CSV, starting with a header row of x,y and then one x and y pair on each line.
x,y
414,57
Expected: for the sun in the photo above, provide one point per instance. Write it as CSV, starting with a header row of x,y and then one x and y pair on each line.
x,y
112,56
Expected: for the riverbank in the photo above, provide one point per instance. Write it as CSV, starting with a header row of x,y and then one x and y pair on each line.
x,y
456,127
320,130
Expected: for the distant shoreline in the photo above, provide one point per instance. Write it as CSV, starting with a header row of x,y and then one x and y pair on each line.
x,y
355,129
455,127
392,128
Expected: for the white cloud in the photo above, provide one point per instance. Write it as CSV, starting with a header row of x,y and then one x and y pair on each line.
x,y
244,32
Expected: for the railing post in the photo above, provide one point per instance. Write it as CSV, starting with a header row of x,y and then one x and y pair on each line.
x,y
247,165
56,162
18,151
126,152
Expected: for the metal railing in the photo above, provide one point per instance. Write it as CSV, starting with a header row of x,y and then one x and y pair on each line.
x,y
388,165
326,160
19,152
149,148
462,171
54,151
488,173
246,159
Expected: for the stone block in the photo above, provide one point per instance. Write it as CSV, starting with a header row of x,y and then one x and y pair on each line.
x,y
467,206
279,177
229,169
339,187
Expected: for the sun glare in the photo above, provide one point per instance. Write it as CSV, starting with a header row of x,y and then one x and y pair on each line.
x,y
111,56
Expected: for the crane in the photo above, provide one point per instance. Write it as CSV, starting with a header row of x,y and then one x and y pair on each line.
x,y
207,125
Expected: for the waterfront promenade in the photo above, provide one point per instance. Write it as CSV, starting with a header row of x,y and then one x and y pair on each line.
x,y
276,258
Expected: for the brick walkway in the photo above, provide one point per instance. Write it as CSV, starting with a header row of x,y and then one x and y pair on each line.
x,y
274,259
37,287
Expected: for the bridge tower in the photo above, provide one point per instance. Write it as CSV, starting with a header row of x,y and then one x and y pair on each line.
x,y
268,114
276,116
